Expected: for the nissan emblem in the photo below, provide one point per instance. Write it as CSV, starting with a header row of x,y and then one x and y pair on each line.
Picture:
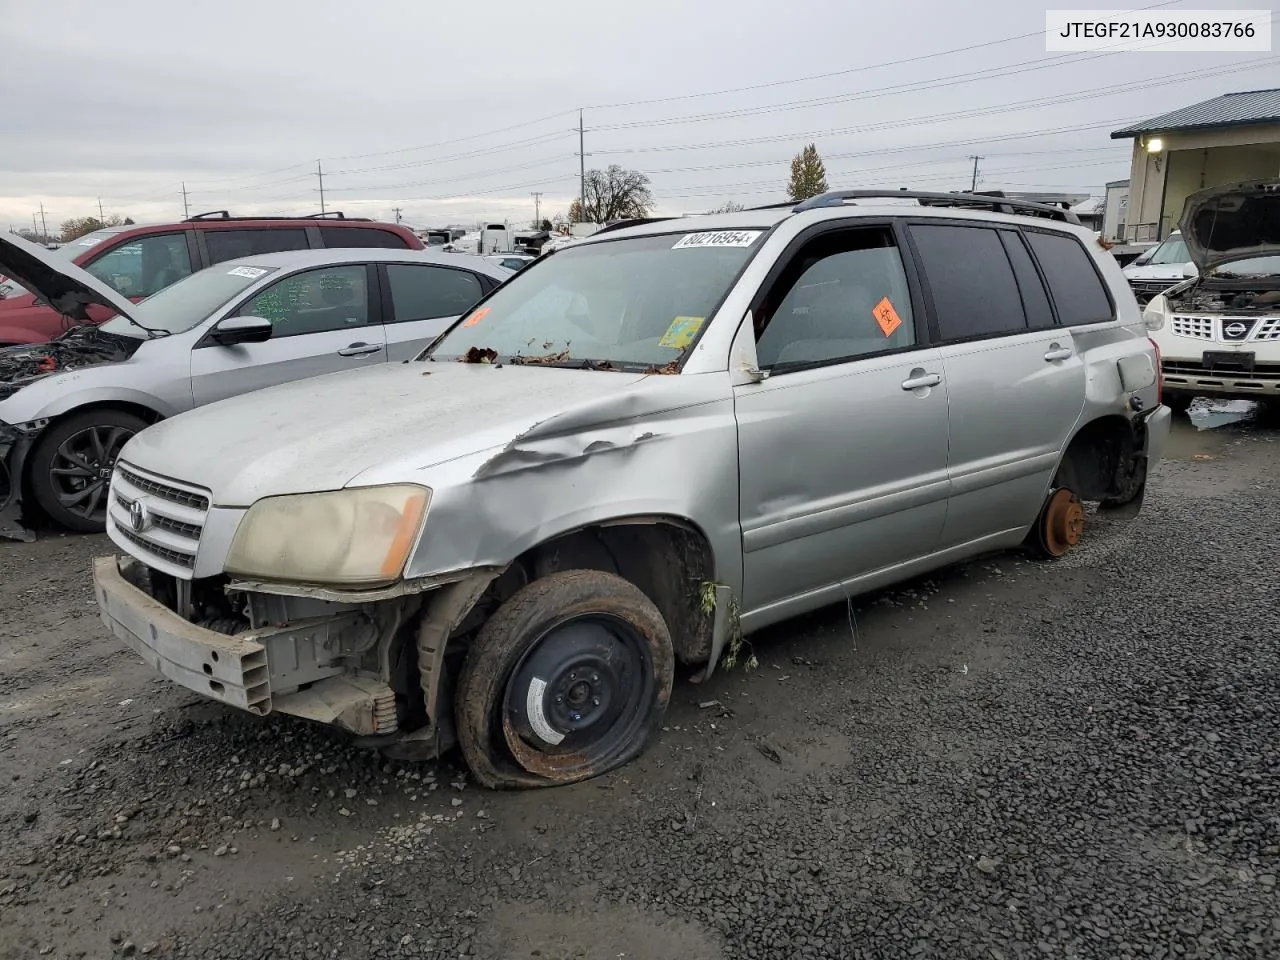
x,y
1236,330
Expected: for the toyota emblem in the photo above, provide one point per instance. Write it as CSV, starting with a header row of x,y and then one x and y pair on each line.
x,y
1236,330
138,516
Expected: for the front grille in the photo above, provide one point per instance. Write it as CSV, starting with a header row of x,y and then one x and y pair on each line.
x,y
164,491
1226,329
1198,327
161,519
1268,330
1144,290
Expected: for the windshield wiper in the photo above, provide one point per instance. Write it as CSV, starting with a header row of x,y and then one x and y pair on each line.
x,y
151,332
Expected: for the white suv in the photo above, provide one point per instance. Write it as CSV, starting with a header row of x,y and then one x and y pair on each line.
x,y
1219,332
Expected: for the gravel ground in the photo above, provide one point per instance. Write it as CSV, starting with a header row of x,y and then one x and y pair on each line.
x,y
1007,759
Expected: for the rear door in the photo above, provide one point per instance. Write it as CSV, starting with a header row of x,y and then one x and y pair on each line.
x,y
1015,383
324,320
420,301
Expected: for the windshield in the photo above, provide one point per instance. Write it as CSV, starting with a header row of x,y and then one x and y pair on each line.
x,y
639,301
181,306
1173,250
1252,267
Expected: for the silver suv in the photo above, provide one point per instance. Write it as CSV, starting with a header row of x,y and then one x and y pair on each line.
x,y
634,453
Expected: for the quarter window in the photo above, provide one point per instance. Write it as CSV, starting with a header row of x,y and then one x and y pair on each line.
x,y
971,281
332,298
1077,290
144,266
234,244
844,296
361,237
427,293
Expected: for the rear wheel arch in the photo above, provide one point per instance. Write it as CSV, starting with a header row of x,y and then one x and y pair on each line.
x,y
1105,460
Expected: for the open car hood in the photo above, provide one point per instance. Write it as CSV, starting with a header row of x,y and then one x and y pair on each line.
x,y
1232,222
55,279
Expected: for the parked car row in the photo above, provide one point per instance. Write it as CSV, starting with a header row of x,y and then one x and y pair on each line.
x,y
618,463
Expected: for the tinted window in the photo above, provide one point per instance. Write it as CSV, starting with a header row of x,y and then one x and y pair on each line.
x,y
361,237
233,244
1035,302
144,266
1073,280
974,293
425,293
333,298
844,296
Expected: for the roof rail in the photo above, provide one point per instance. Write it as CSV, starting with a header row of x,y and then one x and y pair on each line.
x,y
224,215
632,222
836,198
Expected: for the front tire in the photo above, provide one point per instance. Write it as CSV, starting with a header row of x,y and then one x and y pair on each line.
x,y
70,467
567,680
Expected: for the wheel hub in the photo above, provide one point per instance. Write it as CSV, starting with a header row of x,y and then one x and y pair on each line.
x,y
1063,523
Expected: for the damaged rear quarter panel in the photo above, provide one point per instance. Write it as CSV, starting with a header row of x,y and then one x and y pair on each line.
x,y
664,447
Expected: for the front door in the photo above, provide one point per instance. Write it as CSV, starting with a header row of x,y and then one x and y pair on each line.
x,y
843,447
323,321
1015,382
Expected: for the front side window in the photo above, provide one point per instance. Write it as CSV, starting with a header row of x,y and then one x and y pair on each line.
x,y
844,296
234,244
428,293
971,281
361,237
1074,284
633,302
317,301
141,267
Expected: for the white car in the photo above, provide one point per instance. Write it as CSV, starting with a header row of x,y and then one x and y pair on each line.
x,y
1219,332
1159,268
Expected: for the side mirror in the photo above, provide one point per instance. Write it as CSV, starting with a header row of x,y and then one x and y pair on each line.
x,y
234,330
1153,315
1189,270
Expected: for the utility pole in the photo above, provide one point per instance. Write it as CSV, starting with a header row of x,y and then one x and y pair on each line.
x,y
35,231
320,174
582,170
101,218
186,208
396,211
973,182
44,226
537,211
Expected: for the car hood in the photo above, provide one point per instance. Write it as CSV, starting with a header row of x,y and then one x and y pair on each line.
x,y
55,279
1161,271
323,432
1234,222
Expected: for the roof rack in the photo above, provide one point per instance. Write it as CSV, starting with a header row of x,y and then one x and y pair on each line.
x,y
995,204
226,215
632,222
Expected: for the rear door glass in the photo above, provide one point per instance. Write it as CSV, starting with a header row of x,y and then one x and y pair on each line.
x,y
971,281
233,244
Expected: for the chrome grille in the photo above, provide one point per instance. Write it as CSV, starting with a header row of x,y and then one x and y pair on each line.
x,y
1268,330
1198,327
158,520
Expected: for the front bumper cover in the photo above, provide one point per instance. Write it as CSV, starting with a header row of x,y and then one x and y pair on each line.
x,y
299,660
15,444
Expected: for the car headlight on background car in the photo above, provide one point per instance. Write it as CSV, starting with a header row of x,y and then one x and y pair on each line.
x,y
356,537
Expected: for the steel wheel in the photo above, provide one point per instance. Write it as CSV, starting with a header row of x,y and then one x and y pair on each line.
x,y
71,466
568,679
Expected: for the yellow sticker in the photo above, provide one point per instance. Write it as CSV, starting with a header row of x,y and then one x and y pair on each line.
x,y
681,332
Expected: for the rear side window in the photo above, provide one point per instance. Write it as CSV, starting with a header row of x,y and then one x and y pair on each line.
x,y
361,237
428,293
1077,290
969,274
1035,302
233,244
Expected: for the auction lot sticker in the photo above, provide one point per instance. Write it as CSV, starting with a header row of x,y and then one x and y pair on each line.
x,y
717,238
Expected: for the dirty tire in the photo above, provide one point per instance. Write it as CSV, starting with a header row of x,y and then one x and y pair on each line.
x,y
69,468
590,638
1059,526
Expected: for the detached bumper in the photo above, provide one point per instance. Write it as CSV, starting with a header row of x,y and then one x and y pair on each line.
x,y
295,669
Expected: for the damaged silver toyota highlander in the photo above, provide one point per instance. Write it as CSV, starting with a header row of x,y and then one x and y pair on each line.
x,y
635,453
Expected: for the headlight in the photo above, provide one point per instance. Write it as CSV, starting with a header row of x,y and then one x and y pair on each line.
x,y
354,537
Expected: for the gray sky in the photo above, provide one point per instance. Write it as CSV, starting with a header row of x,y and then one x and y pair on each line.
x,y
458,111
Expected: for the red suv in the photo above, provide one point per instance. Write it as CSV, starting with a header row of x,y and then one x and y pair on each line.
x,y
140,261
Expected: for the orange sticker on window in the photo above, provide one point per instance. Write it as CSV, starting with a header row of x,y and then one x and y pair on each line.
x,y
887,317
476,317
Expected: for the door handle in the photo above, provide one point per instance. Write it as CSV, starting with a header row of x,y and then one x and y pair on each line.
x,y
1057,353
921,379
359,349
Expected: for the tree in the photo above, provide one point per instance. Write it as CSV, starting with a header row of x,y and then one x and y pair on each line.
x,y
733,206
613,194
808,175
78,226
